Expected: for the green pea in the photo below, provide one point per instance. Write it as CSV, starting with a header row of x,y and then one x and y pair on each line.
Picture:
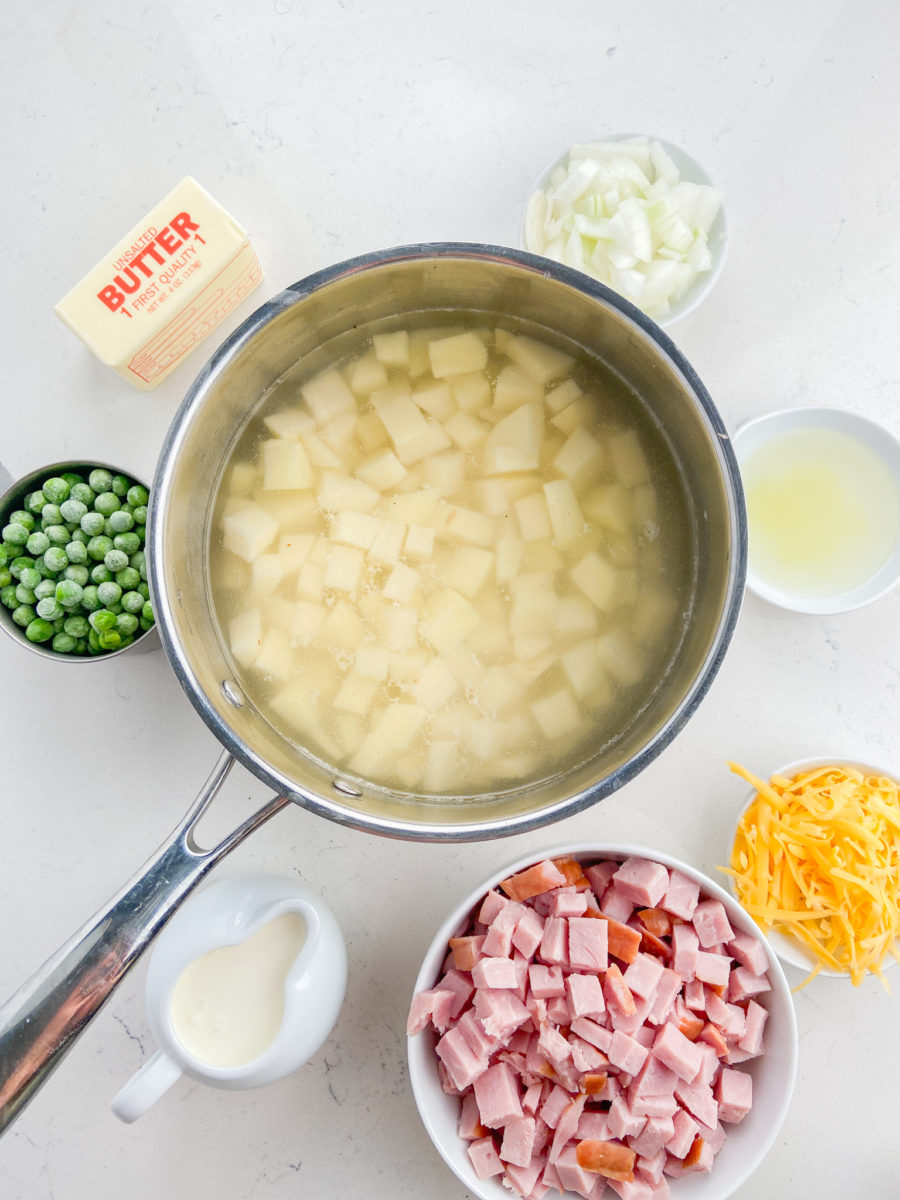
x,y
15,533
101,573
78,535
76,625
30,577
25,595
147,612
140,514
55,489
93,642
72,477
109,593
101,620
115,560
144,589
81,646
115,608
146,623
47,587
5,554
77,573
35,501
137,495
24,615
45,571
38,630
83,492
100,479
37,543
22,517
51,514
132,602
121,521
126,623
110,639
128,578
58,535
107,503
130,543
90,600
72,511
20,564
98,547
58,623
120,485
138,560
56,559
92,523
5,577
63,643
8,596
69,593
49,609
76,552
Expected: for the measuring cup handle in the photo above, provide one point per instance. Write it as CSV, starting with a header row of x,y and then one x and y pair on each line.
x,y
145,1087
41,1021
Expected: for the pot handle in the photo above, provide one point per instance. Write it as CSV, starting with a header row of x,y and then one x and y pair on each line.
x,y
39,1023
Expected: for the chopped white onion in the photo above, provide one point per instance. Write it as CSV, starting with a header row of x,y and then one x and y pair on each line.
x,y
620,212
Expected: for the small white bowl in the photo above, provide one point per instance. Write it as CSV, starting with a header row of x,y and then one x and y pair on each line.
x,y
774,1072
689,170
751,439
789,949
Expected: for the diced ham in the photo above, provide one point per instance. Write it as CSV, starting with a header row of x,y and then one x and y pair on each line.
x,y
433,1006
651,944
617,904
555,1049
546,981
623,942
596,1034
522,1180
542,877
676,1052
497,1096
554,942
531,1101
653,1106
711,923
682,896
558,1011
572,869
554,1106
653,1136
751,1039
528,932
494,973
491,906
470,1127
587,944
749,952
609,1159
500,1011
643,975
663,1003
466,951
518,1141
484,1158
712,1036
656,920
709,1066
568,904
698,1099
650,1168
462,1065
626,1053
695,995
571,1174
593,1124
567,1125
622,1121
585,995
587,1059
744,985
685,1130
734,1092
595,1085
654,1079
685,945
730,1018
689,1023
599,876
712,968
498,940
460,984
643,881
616,991
480,1043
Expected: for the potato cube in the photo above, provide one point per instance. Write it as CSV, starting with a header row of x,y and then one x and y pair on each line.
x,y
535,605
472,392
344,568
436,399
370,432
576,616
355,529
448,619
435,686
582,666
398,626
514,387
540,361
457,354
446,472
356,694
566,518
318,453
306,621
580,412
388,542
507,460
367,374
558,714
533,516
580,457
289,423
275,658
453,522
327,396
510,552
242,478
628,461
419,541
343,629
245,636
619,654
339,435
292,510
297,707
406,665
411,508
429,441
392,349
443,771
465,431
491,639
391,737
249,531
381,471
542,555
500,690
337,492
401,584
492,496
597,578
562,396
401,417
349,730
466,569
524,426
311,580
611,505
265,575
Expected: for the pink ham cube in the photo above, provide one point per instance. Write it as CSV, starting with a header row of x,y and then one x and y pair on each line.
x,y
682,896
642,881
643,975
554,942
677,1052
546,982
567,902
685,945
734,1092
484,1158
596,1034
528,932
743,985
498,940
518,1141
494,973
587,944
626,1053
585,995
462,1064
497,1096
751,1040
500,1011
713,968
711,923
749,952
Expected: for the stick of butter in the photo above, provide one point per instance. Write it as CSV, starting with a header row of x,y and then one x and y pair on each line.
x,y
164,287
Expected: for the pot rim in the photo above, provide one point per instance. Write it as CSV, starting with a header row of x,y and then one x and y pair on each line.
x,y
358,818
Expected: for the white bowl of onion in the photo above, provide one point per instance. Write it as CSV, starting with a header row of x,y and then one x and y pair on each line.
x,y
636,213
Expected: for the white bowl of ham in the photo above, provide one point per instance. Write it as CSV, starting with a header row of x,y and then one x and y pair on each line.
x,y
648,1053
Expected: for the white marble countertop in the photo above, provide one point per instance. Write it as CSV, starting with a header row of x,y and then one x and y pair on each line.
x,y
331,129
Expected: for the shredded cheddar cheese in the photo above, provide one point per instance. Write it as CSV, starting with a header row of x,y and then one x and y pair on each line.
x,y
817,857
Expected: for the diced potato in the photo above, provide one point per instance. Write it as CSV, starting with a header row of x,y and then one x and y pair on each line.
x,y
491,639
535,605
541,361
372,661
242,479
249,531
275,659
500,690
582,667
566,518
355,529
401,584
381,471
442,766
492,497
297,707
392,349
597,578
388,542
484,738
622,549
367,374
337,492
580,458
457,355
507,460
448,619
245,636
370,432
290,423
349,730
510,552
514,387
435,686
524,426
390,739
628,461
611,505
419,541
307,621
292,510
419,362
446,472
436,399
456,523
558,714
465,431
472,392
619,654
453,720
343,629
429,441
327,396
344,568
542,555
466,569
398,626
265,576
412,508
339,435
533,516
579,412
278,612
653,613
559,397
318,453
311,580
406,665
356,694
576,616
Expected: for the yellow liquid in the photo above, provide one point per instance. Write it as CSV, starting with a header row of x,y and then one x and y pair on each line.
x,y
823,512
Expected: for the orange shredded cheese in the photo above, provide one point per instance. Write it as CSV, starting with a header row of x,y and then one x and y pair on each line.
x,y
817,857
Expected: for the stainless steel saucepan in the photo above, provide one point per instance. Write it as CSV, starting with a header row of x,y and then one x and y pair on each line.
x,y
40,1022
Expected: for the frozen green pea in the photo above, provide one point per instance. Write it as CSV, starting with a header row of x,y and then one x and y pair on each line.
x,y
100,479
25,595
8,596
144,589
138,494
72,477
69,593
15,533
78,535
92,523
146,623
19,564
37,543
81,646
128,578
72,511
101,573
56,559
24,614
4,554
83,492
35,501
47,587
107,503
98,547
109,593
30,577
129,542
55,489
147,612
115,608
126,623
58,535
63,643
120,485
22,517
102,619
90,601
132,602
78,573
51,514
76,552
140,514
76,625
110,639
115,559
49,608
5,577
38,630
120,521
93,642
